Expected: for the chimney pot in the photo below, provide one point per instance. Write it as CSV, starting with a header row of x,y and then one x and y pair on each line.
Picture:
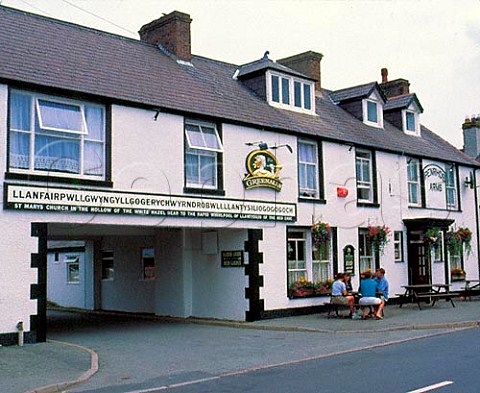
x,y
172,32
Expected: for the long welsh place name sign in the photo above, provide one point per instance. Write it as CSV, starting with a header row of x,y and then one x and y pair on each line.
x,y
48,199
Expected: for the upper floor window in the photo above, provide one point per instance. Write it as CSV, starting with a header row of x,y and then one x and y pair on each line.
x,y
372,112
308,169
290,92
50,134
410,121
451,187
364,172
413,181
203,148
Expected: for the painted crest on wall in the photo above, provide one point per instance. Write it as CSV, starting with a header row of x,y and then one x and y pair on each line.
x,y
262,170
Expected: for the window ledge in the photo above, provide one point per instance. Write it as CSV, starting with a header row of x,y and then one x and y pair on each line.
x,y
312,200
203,191
57,179
368,204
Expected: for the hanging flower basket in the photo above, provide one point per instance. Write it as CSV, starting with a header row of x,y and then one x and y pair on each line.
x,y
378,236
455,241
321,232
432,238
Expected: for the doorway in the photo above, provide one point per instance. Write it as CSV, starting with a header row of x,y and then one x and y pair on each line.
x,y
419,264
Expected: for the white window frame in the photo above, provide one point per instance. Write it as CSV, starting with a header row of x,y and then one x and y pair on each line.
x,y
199,151
111,272
379,122
148,272
291,81
38,107
398,246
72,260
361,183
416,131
81,136
302,166
366,260
451,168
306,241
410,182
438,254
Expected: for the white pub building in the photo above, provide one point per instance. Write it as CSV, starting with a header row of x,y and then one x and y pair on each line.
x,y
138,177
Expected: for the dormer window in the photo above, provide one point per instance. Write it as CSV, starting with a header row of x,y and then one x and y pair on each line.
x,y
290,92
373,111
410,122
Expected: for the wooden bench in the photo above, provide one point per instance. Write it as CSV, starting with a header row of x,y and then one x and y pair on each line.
x,y
470,290
433,297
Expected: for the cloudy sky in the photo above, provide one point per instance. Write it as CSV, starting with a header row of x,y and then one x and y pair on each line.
x,y
433,44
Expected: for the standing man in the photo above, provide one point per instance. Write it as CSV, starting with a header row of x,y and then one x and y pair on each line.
x,y
382,283
339,293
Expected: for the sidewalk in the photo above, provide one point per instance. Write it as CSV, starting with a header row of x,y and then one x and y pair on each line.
x,y
125,344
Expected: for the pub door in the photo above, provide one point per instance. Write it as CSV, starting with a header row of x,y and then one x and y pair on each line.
x,y
418,259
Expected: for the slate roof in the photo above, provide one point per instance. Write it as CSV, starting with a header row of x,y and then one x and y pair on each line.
x,y
356,92
41,51
401,102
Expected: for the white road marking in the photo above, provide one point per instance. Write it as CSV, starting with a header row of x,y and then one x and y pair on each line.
x,y
432,387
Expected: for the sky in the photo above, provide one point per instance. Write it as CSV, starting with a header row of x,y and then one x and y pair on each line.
x,y
435,44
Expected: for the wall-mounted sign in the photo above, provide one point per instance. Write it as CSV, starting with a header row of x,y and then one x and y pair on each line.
x,y
434,177
232,258
262,170
349,260
69,200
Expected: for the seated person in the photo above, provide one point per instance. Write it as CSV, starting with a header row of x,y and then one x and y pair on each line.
x,y
368,288
348,282
339,293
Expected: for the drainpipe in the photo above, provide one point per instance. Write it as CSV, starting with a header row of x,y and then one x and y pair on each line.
x,y
20,333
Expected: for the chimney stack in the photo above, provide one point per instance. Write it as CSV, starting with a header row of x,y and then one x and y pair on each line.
x,y
307,63
471,136
384,72
172,32
397,87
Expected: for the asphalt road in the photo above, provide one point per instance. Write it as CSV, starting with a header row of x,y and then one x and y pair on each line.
x,y
451,360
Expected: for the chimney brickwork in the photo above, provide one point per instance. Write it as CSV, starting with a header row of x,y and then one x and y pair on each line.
x,y
307,63
397,87
172,32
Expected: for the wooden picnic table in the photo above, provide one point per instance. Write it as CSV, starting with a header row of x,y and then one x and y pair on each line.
x,y
472,287
429,292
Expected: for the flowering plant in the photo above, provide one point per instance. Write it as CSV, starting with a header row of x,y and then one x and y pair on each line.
x,y
458,271
323,286
456,239
432,237
378,236
305,288
321,232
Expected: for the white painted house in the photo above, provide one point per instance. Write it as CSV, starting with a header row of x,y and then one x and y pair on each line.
x,y
193,184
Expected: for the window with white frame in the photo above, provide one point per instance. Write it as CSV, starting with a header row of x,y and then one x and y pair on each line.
x,y
308,169
438,249
456,260
290,92
410,122
451,187
72,265
202,155
364,173
398,246
148,263
307,259
52,134
366,252
413,182
372,112
107,265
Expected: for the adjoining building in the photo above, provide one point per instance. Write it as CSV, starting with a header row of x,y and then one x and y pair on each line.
x,y
142,178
